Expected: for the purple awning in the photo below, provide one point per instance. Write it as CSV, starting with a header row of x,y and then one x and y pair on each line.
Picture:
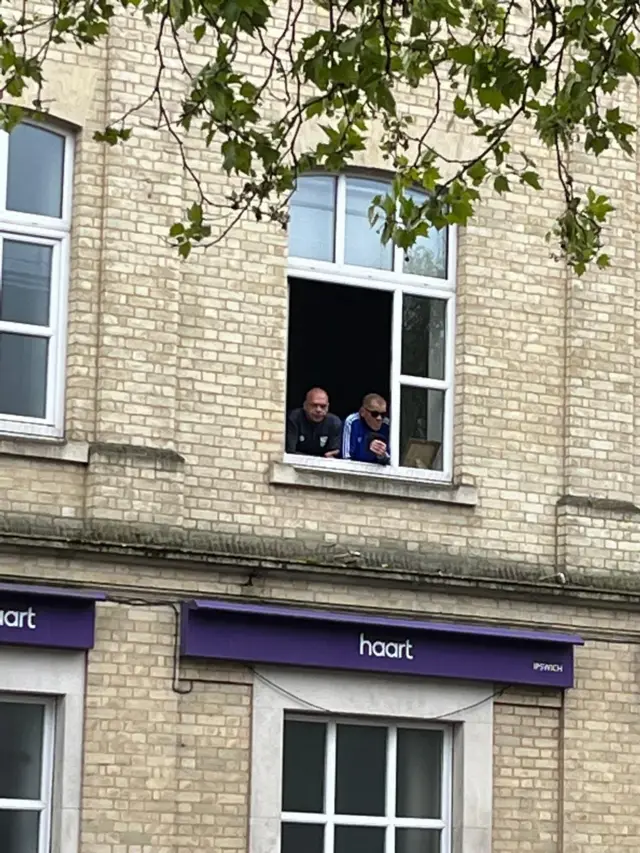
x,y
269,633
51,617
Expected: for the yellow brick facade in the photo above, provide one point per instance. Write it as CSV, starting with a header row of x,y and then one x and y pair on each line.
x,y
164,489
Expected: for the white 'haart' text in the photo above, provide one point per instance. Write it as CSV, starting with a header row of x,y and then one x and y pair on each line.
x,y
18,618
382,649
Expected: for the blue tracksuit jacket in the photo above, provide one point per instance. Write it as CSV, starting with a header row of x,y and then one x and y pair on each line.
x,y
357,436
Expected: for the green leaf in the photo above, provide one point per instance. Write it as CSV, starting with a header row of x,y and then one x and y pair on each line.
x,y
532,179
194,214
501,184
490,97
478,172
460,107
176,229
463,54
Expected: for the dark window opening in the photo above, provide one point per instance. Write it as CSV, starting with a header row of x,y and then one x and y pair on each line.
x,y
339,340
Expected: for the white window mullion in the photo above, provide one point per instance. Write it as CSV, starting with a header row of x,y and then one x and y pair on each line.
x,y
8,805
449,370
57,312
447,791
392,758
340,219
396,367
24,329
330,787
4,159
398,259
46,783
303,817
423,382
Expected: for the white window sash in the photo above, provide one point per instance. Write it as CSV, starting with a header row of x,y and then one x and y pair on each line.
x,y
389,821
55,332
399,284
54,231
43,805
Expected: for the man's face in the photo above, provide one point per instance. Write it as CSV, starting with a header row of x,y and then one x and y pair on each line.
x,y
316,406
374,414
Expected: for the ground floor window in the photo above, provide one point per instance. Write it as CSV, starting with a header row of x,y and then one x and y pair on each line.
x,y
26,769
354,786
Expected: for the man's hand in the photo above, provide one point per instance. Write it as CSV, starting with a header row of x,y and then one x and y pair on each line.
x,y
331,454
378,448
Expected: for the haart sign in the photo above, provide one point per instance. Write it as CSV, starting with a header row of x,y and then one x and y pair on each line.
x,y
382,649
52,617
270,634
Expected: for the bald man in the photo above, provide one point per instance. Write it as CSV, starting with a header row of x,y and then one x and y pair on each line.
x,y
313,430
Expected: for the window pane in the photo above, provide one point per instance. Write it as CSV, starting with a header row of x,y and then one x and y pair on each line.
x,y
312,219
423,336
358,839
428,255
21,728
302,838
362,244
36,171
26,283
417,841
421,427
361,761
303,769
419,773
23,375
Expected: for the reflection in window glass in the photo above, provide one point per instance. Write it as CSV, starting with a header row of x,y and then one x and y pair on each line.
x,y
23,375
428,255
312,218
361,760
423,336
36,171
303,770
421,427
418,774
362,245
26,282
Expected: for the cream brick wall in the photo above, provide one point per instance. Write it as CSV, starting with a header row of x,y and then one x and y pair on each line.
x,y
189,357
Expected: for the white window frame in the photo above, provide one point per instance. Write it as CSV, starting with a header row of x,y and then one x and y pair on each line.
x,y
389,821
54,231
397,283
466,707
44,804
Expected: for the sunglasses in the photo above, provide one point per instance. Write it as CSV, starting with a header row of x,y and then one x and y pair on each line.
x,y
376,414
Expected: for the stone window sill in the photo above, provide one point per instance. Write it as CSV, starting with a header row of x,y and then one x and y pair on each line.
x,y
76,452
372,481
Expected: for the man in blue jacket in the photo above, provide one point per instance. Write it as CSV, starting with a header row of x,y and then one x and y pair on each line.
x,y
365,436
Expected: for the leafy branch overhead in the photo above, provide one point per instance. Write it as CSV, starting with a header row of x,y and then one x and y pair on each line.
x,y
508,77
